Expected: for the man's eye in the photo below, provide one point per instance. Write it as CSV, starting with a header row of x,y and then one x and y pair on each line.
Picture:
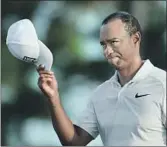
x,y
112,42
103,46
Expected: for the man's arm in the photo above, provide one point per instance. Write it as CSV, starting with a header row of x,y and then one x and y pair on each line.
x,y
68,133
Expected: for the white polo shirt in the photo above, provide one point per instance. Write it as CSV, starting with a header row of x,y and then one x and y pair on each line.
x,y
132,115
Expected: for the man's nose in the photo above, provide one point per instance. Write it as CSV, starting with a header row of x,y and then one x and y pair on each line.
x,y
109,50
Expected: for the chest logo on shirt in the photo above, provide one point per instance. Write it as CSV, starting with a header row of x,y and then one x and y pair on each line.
x,y
142,95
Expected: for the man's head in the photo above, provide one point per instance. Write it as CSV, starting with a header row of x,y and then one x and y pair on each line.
x,y
120,37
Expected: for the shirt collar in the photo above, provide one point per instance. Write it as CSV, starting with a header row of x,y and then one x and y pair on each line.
x,y
144,70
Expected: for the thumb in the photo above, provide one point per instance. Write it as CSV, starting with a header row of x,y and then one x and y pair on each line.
x,y
40,67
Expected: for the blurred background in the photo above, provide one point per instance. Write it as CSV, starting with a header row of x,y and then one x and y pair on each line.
x,y
70,29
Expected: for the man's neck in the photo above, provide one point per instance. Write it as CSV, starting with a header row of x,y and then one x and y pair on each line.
x,y
126,74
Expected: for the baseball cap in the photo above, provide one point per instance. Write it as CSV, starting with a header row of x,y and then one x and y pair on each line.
x,y
22,41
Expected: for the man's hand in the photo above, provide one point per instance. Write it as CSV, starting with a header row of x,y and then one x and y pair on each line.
x,y
47,82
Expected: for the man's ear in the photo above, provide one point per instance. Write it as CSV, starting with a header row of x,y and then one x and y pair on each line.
x,y
137,37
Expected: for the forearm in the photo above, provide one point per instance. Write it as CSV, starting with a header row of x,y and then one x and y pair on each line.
x,y
61,123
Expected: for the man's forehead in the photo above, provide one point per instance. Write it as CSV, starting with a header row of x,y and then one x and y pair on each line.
x,y
113,29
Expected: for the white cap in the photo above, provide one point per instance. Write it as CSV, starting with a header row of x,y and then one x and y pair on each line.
x,y
45,56
22,41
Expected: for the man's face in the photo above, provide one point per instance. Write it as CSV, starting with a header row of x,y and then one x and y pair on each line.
x,y
118,46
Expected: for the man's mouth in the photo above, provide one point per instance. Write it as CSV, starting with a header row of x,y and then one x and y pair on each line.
x,y
112,56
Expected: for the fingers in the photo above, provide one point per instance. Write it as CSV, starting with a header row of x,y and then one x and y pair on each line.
x,y
43,81
44,72
41,70
45,77
42,76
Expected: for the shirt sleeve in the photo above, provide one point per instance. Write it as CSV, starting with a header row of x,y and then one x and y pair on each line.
x,y
88,120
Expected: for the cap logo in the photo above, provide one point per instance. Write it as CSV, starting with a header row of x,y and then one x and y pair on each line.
x,y
29,59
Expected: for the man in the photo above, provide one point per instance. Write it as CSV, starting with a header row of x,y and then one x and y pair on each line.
x,y
129,109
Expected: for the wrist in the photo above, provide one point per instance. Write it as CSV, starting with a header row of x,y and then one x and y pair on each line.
x,y
54,100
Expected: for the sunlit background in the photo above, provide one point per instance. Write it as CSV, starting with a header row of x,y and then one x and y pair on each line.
x,y
71,31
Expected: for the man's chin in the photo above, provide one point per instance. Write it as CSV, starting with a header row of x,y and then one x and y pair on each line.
x,y
112,64
116,65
